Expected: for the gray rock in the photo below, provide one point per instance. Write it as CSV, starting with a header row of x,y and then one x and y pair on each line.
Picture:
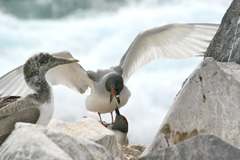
x,y
132,152
79,148
203,147
121,137
30,144
92,130
226,44
207,103
34,142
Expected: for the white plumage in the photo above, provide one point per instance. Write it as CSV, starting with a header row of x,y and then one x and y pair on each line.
x,y
169,41
46,113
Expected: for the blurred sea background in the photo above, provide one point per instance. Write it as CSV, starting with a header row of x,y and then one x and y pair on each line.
x,y
98,32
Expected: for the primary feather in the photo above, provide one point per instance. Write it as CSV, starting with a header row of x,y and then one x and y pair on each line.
x,y
169,41
13,84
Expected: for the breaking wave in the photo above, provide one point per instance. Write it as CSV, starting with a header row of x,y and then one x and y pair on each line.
x,y
52,9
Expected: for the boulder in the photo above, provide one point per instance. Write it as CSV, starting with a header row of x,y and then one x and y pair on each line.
x,y
92,130
202,147
208,103
29,143
226,44
86,140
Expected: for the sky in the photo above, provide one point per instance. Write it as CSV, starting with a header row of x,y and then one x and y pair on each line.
x,y
98,35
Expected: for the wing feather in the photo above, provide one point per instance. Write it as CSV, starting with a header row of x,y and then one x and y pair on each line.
x,y
13,84
72,75
169,41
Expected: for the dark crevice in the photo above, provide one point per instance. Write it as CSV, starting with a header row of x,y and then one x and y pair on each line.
x,y
204,98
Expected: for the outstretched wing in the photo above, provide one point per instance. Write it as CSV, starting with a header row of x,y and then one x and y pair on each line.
x,y
169,41
72,75
13,84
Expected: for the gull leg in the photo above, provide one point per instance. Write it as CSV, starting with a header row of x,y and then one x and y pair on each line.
x,y
99,114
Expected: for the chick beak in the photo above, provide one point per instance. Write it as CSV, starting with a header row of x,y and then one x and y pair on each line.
x,y
61,60
114,95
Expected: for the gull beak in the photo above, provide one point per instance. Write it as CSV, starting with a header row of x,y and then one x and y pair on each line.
x,y
118,99
114,95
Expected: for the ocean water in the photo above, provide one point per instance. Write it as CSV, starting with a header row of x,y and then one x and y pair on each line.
x,y
98,32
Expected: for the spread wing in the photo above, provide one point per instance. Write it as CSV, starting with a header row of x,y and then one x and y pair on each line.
x,y
169,41
70,75
13,84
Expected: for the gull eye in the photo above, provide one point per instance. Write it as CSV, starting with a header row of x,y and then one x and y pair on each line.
x,y
107,85
119,85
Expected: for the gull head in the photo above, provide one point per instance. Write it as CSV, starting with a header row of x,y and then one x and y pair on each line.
x,y
114,85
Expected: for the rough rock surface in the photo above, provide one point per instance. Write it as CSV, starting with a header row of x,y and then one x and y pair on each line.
x,y
132,152
208,103
203,147
29,143
92,130
61,142
121,137
226,44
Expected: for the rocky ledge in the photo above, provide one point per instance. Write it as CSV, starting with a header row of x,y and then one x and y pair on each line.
x,y
207,104
85,140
